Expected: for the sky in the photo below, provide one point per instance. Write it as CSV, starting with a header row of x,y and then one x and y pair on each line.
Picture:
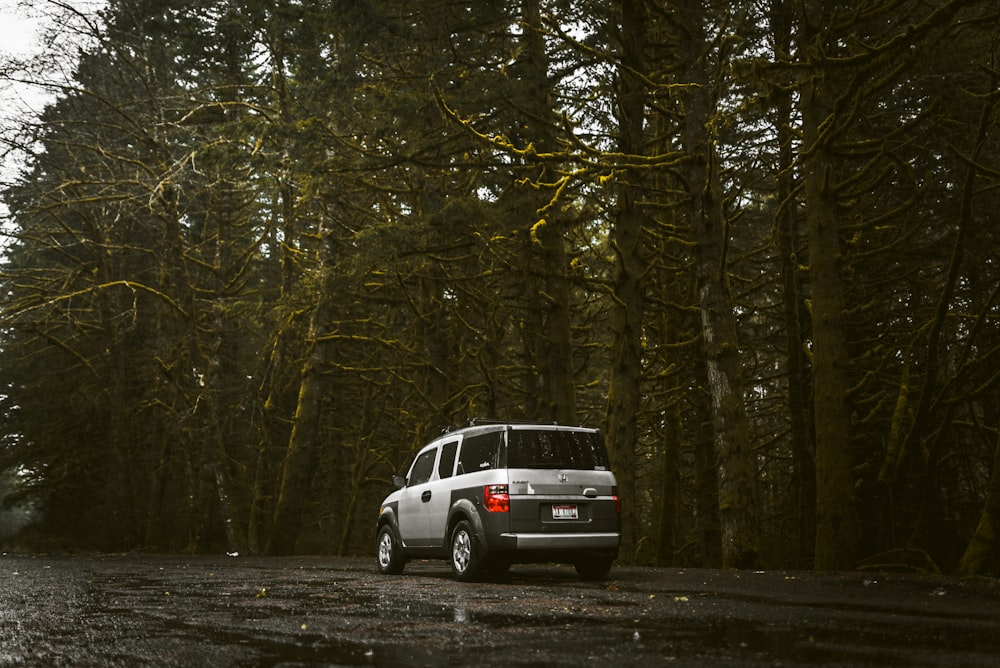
x,y
17,32
21,25
18,39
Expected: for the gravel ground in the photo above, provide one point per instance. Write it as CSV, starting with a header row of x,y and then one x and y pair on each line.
x,y
135,610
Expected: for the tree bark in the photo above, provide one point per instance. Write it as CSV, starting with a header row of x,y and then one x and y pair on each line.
x,y
731,433
668,531
706,476
982,555
298,467
983,548
629,284
836,521
803,491
555,353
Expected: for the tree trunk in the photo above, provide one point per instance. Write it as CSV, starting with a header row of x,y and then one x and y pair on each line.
x,y
706,479
836,522
555,353
297,468
731,433
122,495
803,490
558,382
629,284
300,457
982,555
667,531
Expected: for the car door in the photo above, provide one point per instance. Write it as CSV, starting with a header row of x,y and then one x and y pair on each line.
x,y
439,503
412,515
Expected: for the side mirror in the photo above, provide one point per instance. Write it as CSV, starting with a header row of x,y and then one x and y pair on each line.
x,y
399,481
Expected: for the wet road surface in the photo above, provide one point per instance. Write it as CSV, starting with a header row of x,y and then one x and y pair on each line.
x,y
248,611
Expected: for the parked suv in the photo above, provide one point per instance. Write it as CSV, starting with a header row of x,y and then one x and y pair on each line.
x,y
493,494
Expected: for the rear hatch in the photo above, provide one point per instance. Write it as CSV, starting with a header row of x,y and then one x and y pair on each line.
x,y
559,481
547,500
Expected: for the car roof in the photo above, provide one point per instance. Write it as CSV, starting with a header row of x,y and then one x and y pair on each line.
x,y
478,426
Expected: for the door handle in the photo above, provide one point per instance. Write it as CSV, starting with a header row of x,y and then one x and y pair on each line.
x,y
426,496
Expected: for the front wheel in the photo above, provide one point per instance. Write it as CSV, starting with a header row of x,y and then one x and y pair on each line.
x,y
390,557
466,563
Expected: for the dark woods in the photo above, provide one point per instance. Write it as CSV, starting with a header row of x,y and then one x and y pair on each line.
x,y
262,250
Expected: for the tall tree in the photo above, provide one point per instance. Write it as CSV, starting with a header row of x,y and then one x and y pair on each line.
x,y
731,436
836,522
781,20
628,240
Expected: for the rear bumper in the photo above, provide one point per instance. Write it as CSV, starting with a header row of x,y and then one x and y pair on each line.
x,y
561,541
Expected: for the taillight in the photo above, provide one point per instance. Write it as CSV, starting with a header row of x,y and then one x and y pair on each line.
x,y
496,499
617,499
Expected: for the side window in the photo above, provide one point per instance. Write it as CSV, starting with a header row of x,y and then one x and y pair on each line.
x,y
422,468
447,464
479,452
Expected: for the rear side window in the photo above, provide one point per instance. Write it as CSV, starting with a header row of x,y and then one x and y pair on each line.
x,y
447,464
552,449
422,468
480,452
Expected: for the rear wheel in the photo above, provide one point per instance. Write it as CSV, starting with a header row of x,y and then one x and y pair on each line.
x,y
390,557
593,568
466,562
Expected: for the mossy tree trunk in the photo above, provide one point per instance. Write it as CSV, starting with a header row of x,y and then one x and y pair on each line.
x,y
836,522
731,434
629,240
982,555
299,464
802,499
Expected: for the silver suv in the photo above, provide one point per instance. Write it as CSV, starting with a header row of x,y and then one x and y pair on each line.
x,y
495,493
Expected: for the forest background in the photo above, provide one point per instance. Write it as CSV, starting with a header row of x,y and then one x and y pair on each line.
x,y
261,250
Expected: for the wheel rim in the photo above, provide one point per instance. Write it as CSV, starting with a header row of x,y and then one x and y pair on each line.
x,y
461,551
385,549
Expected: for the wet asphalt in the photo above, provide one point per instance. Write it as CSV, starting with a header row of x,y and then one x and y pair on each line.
x,y
149,610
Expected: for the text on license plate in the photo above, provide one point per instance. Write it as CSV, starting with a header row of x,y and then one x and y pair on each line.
x,y
564,512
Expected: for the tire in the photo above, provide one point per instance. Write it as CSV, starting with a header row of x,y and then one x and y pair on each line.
x,y
388,552
593,568
466,562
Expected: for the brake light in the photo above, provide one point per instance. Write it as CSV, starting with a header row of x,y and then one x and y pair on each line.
x,y
617,499
496,498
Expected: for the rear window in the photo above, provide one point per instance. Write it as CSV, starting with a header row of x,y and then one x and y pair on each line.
x,y
552,449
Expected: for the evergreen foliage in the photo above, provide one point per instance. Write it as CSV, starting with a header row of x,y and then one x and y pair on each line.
x,y
261,250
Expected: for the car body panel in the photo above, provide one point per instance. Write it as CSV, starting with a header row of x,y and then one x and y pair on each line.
x,y
556,513
412,513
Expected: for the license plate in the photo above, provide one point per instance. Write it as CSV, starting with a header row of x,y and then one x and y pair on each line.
x,y
564,512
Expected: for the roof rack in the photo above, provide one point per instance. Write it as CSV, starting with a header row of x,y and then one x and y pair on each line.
x,y
474,422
